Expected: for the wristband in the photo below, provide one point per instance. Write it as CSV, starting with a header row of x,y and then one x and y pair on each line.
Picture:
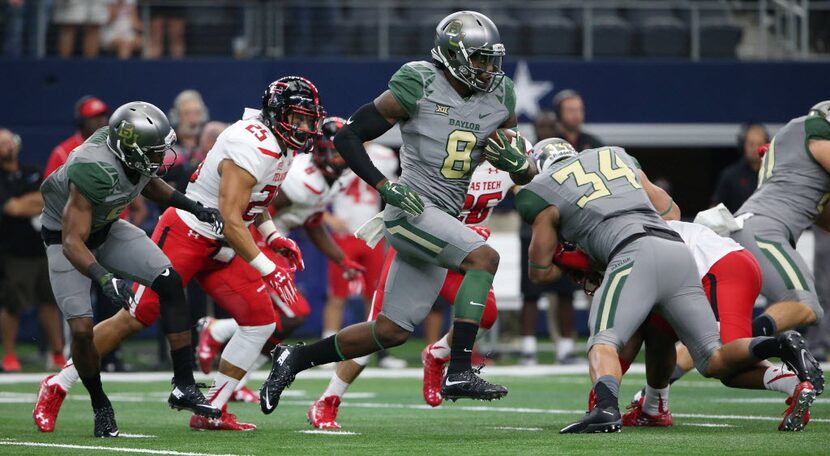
x,y
671,205
266,229
97,272
538,266
262,264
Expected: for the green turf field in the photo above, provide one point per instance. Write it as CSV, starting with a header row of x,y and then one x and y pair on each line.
x,y
387,415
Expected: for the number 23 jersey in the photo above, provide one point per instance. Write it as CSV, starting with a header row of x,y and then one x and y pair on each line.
x,y
252,146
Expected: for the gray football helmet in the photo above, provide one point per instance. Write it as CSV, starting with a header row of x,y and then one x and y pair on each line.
x,y
552,150
468,44
140,136
821,109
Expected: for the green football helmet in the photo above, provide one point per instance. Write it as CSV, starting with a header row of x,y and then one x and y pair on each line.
x,y
140,136
821,109
468,44
552,150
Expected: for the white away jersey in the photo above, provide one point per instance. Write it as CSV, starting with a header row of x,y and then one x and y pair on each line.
x,y
253,147
488,187
706,246
308,191
358,201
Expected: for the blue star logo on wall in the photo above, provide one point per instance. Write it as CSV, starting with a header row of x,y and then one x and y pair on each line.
x,y
528,91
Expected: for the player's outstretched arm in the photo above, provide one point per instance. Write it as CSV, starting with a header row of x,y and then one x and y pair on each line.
x,y
161,192
543,244
662,201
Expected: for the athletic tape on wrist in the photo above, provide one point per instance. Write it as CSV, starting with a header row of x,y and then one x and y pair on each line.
x,y
262,264
266,229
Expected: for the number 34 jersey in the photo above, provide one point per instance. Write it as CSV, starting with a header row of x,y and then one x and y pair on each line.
x,y
252,146
445,134
600,200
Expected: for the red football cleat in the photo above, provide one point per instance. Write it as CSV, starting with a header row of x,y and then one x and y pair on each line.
x,y
637,417
323,413
208,346
48,404
798,414
433,376
245,395
226,422
11,363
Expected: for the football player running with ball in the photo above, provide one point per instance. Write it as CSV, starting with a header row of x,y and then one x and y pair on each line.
x,y
446,110
86,241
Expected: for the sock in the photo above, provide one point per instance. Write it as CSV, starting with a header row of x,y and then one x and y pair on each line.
x,y
337,387
328,333
763,325
564,347
321,352
221,390
528,345
782,380
260,360
608,391
441,348
222,330
182,359
461,353
96,391
764,347
678,372
66,377
656,400
472,295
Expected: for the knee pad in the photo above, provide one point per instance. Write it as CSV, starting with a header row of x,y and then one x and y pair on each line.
x,y
175,314
168,284
245,345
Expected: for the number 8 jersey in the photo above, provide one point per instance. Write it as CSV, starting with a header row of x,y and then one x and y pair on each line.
x,y
252,146
445,134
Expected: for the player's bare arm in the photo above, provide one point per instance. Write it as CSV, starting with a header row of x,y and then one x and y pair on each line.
x,y
820,148
321,239
234,195
660,199
528,174
77,224
161,192
542,245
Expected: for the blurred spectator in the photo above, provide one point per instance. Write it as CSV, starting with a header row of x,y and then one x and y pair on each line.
x,y
737,182
25,272
207,139
73,15
187,116
170,19
90,114
571,114
561,313
122,33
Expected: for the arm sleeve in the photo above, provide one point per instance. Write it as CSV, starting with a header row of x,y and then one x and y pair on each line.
x,y
365,125
509,96
95,180
407,86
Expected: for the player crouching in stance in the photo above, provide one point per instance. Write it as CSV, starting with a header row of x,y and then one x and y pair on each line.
x,y
446,109
86,240
240,175
598,200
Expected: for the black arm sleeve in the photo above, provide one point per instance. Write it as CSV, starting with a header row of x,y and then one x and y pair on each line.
x,y
365,125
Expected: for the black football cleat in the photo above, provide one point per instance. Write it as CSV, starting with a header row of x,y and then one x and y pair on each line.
x,y
191,398
596,421
468,385
280,378
796,356
105,426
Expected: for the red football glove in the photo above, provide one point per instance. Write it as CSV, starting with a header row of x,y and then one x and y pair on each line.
x,y
287,248
482,231
762,150
281,282
351,269
571,259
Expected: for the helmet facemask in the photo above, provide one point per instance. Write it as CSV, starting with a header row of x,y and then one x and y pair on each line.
x,y
298,125
145,160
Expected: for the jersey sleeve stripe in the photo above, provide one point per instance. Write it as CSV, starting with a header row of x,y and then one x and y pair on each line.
x,y
269,153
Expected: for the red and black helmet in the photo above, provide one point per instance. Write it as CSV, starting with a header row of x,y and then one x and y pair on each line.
x,y
325,156
293,96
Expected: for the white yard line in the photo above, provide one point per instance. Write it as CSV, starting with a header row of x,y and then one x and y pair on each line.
x,y
708,425
510,428
105,448
324,432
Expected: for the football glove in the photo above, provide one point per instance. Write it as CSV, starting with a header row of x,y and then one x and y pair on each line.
x,y
117,290
210,215
281,282
287,248
401,196
511,156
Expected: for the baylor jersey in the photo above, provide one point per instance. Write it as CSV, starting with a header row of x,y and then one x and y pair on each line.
x,y
600,199
444,135
99,176
792,187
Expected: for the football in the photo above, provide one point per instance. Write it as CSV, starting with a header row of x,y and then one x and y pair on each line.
x,y
508,132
